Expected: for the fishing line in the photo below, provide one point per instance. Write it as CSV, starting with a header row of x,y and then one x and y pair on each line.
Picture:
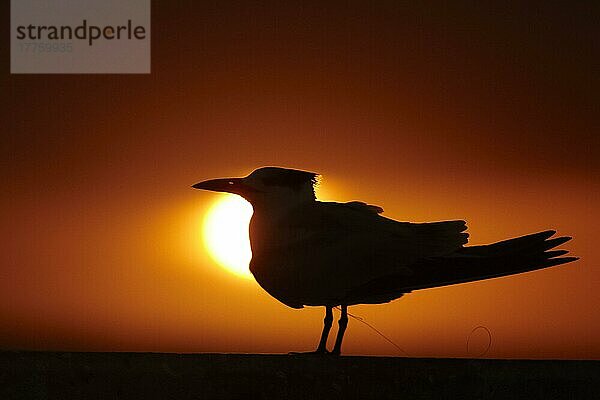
x,y
362,320
489,340
377,331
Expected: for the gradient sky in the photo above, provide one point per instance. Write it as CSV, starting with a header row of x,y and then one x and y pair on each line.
x,y
487,113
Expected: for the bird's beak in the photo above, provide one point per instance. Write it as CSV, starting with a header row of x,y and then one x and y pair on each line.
x,y
229,185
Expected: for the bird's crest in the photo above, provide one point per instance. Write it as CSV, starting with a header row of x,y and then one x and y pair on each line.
x,y
291,178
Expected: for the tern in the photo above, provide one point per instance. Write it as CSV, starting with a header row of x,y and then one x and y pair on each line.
x,y
307,252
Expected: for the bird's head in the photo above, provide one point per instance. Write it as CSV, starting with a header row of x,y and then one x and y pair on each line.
x,y
267,185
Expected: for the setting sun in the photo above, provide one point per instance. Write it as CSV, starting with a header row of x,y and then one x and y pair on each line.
x,y
225,234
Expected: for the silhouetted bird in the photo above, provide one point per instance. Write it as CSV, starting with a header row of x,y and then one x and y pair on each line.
x,y
311,253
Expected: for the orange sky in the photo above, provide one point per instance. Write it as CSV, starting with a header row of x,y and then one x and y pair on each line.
x,y
489,115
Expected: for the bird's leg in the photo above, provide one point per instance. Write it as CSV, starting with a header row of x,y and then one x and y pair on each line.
x,y
327,322
343,323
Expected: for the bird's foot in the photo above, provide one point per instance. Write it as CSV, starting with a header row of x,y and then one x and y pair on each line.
x,y
317,352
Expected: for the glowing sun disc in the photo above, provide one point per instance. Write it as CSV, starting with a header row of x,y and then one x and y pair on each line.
x,y
225,234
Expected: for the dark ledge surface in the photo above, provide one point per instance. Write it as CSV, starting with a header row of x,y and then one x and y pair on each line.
x,y
63,375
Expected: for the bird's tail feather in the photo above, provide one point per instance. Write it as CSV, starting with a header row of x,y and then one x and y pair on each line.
x,y
508,257
525,244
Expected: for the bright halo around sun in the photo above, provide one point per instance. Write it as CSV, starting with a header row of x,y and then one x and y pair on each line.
x,y
225,234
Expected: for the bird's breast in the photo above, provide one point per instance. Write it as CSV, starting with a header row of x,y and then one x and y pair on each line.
x,y
279,261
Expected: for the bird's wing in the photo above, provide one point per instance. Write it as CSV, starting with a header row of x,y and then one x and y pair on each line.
x,y
360,206
332,248
357,220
